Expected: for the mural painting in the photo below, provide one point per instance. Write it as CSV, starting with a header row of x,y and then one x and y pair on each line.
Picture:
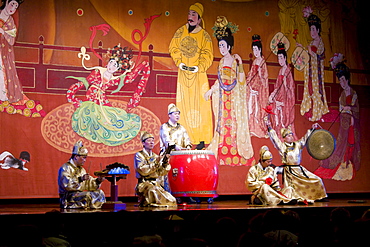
x,y
107,79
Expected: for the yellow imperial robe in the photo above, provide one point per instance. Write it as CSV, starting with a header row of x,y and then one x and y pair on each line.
x,y
193,49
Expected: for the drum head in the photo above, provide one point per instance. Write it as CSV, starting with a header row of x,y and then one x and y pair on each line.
x,y
320,144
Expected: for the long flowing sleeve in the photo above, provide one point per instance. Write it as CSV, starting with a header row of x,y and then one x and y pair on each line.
x,y
148,166
174,47
10,31
69,179
303,140
253,180
206,53
257,177
278,144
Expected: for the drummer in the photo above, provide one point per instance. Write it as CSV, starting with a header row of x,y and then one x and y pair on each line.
x,y
172,132
307,186
263,182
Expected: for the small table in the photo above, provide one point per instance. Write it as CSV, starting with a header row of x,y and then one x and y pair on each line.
x,y
113,179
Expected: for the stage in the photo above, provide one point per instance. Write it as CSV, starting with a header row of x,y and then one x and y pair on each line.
x,y
110,226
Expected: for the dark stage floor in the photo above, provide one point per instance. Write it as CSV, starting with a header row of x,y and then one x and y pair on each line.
x,y
117,227
225,203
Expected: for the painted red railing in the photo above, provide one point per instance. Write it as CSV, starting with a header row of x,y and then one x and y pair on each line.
x,y
48,78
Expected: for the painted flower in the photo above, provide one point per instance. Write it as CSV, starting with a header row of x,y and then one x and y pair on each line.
x,y
307,11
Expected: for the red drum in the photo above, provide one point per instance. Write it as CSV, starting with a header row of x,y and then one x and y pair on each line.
x,y
194,173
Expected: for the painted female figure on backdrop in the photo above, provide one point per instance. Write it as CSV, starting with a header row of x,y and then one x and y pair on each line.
x,y
314,104
12,99
282,98
345,161
95,118
258,93
231,141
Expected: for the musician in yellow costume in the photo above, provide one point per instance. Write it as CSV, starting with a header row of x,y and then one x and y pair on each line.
x,y
192,51
150,168
307,187
77,189
262,180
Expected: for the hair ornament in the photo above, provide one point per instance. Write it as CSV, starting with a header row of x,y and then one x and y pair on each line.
x,y
336,59
337,63
281,46
223,28
122,55
307,11
310,17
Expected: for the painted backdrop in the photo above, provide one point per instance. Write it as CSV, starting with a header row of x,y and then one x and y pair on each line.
x,y
52,52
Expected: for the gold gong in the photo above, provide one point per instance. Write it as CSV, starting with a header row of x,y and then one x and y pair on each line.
x,y
320,144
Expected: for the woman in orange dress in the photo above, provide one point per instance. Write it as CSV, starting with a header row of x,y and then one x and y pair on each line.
x,y
12,99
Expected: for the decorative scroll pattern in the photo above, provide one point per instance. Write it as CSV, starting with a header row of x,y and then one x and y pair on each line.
x,y
57,130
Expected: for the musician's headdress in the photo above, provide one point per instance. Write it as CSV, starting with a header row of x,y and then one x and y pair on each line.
x,y
285,131
79,149
265,153
145,135
172,108
281,47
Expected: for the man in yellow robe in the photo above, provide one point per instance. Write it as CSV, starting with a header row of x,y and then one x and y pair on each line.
x,y
192,51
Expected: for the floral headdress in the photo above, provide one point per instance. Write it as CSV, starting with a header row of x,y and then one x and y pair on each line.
x,y
337,63
122,55
336,59
223,28
311,18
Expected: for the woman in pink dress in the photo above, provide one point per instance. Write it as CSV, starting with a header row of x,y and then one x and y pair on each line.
x,y
282,99
258,90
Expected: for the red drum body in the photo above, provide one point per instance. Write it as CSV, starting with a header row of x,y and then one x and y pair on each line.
x,y
194,173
